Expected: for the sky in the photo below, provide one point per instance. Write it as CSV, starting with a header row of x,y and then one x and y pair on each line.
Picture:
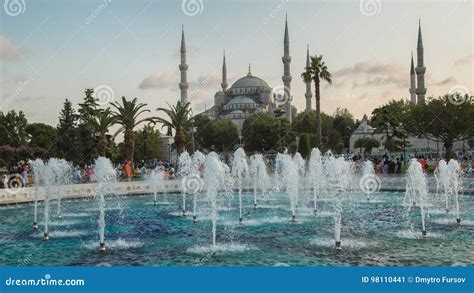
x,y
51,50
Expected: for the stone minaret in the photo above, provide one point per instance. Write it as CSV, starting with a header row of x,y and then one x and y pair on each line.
x,y
224,75
286,72
412,89
420,69
308,93
183,67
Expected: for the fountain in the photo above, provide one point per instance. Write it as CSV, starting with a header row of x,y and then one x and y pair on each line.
x,y
258,170
339,175
105,175
417,191
214,177
156,183
185,166
240,169
369,182
455,179
38,168
315,173
49,181
442,176
288,175
301,168
62,175
198,159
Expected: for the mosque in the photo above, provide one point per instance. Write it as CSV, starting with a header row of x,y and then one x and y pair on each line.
x,y
417,90
249,94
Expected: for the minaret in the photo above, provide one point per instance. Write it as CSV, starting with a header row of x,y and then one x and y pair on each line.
x,y
224,75
308,93
412,89
286,72
420,69
183,67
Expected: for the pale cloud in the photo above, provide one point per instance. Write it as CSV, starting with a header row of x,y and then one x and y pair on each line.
x,y
158,81
466,60
447,81
369,74
8,50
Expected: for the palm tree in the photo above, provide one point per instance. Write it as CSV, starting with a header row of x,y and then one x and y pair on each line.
x,y
127,116
101,123
316,72
178,120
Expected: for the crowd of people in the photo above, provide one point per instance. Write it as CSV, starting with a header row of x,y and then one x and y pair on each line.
x,y
394,164
387,164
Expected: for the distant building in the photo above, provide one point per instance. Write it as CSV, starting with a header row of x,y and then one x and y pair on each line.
x,y
418,146
249,94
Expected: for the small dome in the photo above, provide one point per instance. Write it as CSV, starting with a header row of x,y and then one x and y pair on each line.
x,y
219,94
249,81
236,112
241,100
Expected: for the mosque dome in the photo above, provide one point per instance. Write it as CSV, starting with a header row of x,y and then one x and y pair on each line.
x,y
249,81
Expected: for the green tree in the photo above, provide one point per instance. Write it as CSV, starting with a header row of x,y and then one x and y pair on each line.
x,y
367,143
66,145
443,119
13,128
317,72
41,135
87,140
262,132
147,141
304,146
178,119
127,115
390,120
344,123
226,134
101,123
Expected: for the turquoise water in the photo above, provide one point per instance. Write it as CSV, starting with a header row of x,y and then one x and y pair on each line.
x,y
378,232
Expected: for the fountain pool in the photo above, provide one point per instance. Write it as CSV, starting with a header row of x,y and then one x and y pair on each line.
x,y
137,232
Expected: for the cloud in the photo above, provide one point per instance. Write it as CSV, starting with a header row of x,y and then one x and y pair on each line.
x,y
370,74
8,51
158,81
466,60
446,81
